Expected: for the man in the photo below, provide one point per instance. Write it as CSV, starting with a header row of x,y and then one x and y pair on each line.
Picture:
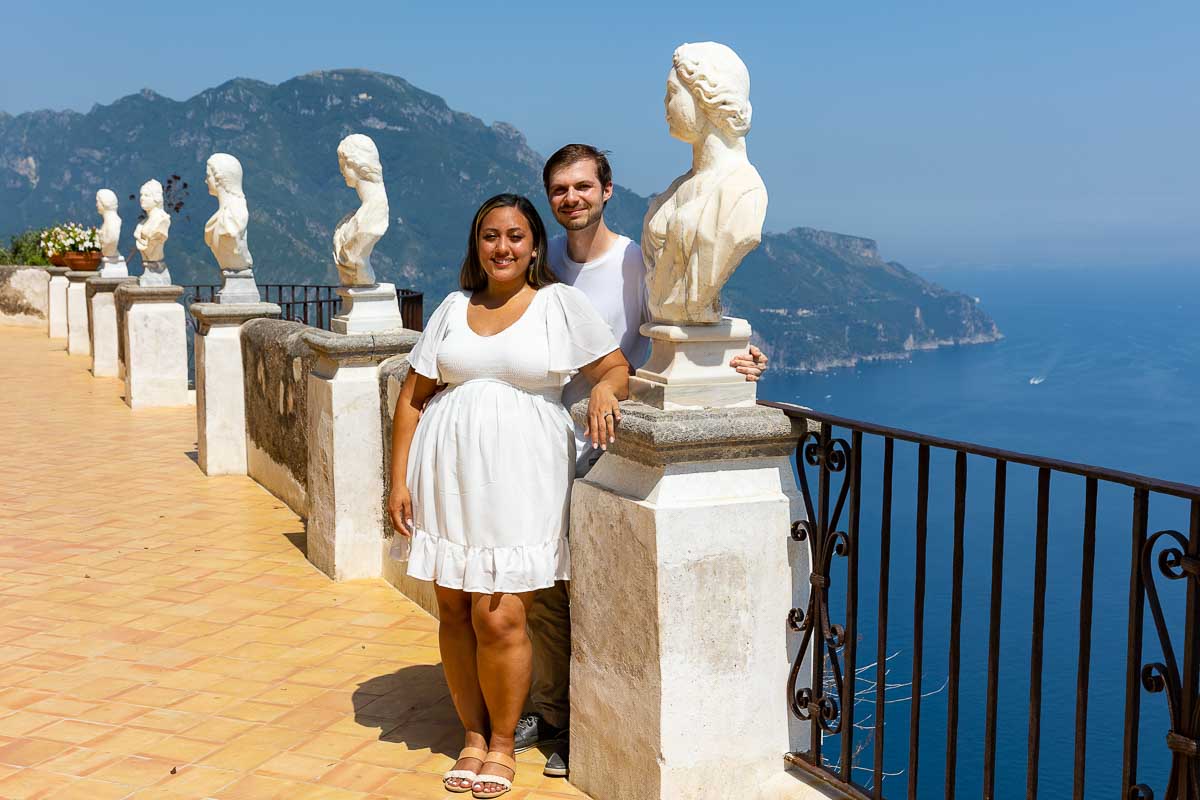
x,y
609,269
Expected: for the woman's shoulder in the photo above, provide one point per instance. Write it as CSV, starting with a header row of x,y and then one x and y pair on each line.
x,y
562,294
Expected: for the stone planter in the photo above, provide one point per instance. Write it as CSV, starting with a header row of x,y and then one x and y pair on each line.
x,y
82,262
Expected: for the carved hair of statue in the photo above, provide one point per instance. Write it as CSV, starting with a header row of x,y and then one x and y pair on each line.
x,y
106,199
155,188
719,81
227,173
360,153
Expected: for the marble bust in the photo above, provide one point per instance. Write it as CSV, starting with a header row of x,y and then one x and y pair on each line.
x,y
355,236
225,231
696,233
110,227
151,235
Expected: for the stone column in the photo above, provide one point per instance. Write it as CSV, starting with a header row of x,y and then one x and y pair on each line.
x,y
345,450
56,302
220,390
79,341
680,592
102,323
155,346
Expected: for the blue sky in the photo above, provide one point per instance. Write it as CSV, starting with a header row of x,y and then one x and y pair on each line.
x,y
957,134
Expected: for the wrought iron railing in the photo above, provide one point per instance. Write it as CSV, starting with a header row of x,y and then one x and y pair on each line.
x,y
846,722
309,304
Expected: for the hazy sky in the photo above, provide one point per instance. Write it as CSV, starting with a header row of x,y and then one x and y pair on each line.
x,y
954,133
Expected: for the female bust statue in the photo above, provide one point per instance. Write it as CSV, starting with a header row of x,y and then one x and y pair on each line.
x,y
356,235
225,231
151,234
110,228
697,232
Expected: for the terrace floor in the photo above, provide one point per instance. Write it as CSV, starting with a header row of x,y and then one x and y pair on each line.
x,y
162,635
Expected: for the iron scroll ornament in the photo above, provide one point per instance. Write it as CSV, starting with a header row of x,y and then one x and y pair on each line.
x,y
829,455
1174,563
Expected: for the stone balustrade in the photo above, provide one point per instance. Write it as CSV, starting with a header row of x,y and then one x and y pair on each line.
x,y
679,533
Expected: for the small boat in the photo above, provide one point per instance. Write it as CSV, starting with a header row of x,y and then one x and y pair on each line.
x,y
1036,381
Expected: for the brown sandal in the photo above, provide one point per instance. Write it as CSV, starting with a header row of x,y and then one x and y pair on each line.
x,y
493,757
464,774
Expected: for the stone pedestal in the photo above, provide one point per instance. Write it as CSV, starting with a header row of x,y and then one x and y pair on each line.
x,y
689,366
154,273
113,267
56,302
367,308
102,324
238,287
681,587
220,390
79,340
155,346
345,451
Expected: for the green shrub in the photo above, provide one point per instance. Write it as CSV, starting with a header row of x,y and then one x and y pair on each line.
x,y
25,248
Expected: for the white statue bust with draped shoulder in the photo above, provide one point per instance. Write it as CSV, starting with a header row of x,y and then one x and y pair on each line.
x,y
355,236
225,231
151,234
696,233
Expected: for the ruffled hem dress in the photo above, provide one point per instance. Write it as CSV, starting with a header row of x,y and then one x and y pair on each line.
x,y
493,456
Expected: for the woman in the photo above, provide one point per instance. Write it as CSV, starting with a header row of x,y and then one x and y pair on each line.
x,y
481,477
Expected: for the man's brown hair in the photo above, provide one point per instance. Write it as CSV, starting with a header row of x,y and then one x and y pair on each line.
x,y
569,154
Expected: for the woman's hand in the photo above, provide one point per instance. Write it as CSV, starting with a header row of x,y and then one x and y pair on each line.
x,y
604,413
400,509
610,376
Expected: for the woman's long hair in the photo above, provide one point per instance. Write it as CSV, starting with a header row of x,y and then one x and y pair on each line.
x,y
472,277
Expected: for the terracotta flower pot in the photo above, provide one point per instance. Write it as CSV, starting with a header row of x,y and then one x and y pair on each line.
x,y
83,262
59,259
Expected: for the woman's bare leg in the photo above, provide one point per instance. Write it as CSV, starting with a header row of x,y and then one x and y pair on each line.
x,y
505,667
456,638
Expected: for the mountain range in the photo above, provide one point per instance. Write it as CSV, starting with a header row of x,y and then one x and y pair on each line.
x,y
814,298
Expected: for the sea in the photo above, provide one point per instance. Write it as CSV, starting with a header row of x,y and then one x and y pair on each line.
x,y
1099,366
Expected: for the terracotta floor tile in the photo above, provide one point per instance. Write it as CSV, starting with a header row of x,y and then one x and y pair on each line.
x,y
136,771
28,752
297,766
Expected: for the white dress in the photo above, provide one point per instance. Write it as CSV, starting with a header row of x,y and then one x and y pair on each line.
x,y
492,458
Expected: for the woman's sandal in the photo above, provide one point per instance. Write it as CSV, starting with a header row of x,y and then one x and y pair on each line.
x,y
464,774
493,757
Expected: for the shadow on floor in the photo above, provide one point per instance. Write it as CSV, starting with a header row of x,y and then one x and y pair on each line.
x,y
299,540
194,455
410,706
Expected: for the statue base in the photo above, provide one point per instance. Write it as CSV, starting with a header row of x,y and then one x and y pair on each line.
x,y
366,309
689,366
113,267
154,273
238,286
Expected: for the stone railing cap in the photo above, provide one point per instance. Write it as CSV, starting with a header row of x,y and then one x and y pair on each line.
x,y
233,313
80,275
360,347
656,437
58,270
134,293
97,284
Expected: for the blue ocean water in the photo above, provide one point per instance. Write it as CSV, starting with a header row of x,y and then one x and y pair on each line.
x,y
1098,366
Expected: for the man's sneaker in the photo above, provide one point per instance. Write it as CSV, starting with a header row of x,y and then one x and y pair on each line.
x,y
556,764
532,730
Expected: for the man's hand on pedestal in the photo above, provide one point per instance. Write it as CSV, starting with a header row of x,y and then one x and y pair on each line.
x,y
752,364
